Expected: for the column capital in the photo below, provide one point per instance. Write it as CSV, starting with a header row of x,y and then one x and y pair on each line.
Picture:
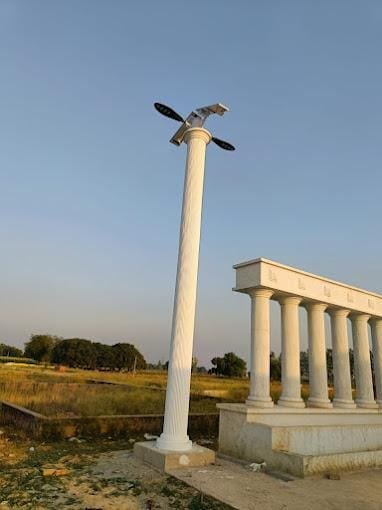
x,y
197,132
376,320
359,317
290,300
315,306
338,312
261,292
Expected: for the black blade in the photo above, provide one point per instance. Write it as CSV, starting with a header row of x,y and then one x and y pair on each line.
x,y
168,112
223,145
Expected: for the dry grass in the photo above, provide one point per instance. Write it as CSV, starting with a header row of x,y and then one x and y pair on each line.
x,y
67,394
53,393
74,399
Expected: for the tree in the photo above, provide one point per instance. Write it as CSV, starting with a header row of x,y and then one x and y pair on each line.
x,y
105,356
352,368
230,365
304,366
81,353
329,366
8,350
40,347
275,367
194,364
76,353
218,366
127,356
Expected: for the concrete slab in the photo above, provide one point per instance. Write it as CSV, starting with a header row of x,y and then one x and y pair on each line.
x,y
167,460
237,485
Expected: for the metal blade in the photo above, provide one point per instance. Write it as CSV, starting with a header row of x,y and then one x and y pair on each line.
x,y
168,112
222,144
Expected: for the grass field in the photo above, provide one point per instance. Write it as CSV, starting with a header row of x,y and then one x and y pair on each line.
x,y
68,393
58,394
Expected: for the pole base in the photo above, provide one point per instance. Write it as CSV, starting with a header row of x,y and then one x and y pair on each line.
x,y
165,460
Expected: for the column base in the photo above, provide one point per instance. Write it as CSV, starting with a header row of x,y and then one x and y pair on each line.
x,y
168,443
259,402
379,403
168,460
323,403
343,403
297,403
366,404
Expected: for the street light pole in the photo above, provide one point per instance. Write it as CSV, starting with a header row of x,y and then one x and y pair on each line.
x,y
174,436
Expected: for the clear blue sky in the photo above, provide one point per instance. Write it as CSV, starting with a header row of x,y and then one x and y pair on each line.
x,y
91,188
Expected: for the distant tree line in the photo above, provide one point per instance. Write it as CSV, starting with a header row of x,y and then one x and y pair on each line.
x,y
9,351
82,353
195,368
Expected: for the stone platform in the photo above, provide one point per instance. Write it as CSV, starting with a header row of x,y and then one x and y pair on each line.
x,y
166,460
302,441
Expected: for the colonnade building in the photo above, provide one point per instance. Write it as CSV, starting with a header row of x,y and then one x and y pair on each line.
x,y
357,420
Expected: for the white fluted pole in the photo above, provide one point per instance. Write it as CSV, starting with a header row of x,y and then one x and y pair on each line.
x,y
362,362
343,397
318,375
376,333
290,353
174,436
259,395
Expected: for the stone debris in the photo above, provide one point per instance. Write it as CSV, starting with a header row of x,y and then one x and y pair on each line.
x,y
55,472
150,437
333,476
258,467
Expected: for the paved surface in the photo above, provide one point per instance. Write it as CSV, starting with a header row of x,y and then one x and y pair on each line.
x,y
243,489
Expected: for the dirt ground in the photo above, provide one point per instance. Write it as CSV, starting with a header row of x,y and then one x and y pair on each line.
x,y
104,475
87,475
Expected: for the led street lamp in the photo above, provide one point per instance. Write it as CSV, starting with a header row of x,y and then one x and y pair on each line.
x,y
196,118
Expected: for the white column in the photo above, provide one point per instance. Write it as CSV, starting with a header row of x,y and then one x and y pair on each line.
x,y
376,334
343,397
362,362
174,436
318,374
259,395
290,354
